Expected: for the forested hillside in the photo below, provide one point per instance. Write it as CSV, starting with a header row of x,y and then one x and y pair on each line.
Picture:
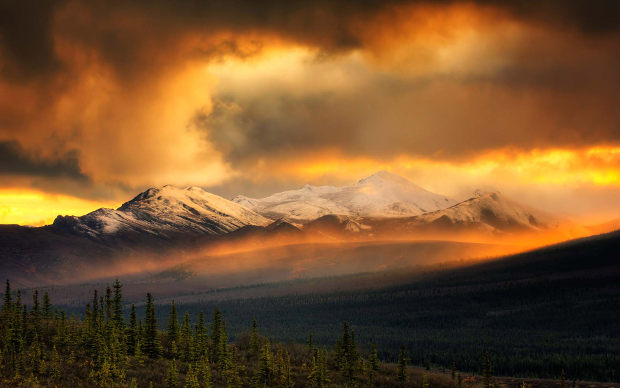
x,y
42,347
549,313
536,314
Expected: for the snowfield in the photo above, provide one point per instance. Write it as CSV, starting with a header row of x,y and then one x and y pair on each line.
x,y
382,201
493,212
166,210
382,194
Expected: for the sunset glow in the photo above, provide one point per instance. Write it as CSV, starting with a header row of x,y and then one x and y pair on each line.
x,y
453,96
323,193
35,208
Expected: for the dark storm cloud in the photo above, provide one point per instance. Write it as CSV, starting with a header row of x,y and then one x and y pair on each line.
x,y
26,37
99,71
15,161
449,117
591,17
121,31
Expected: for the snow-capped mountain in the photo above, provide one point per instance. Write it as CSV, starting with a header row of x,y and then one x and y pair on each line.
x,y
165,219
164,212
382,194
485,212
490,211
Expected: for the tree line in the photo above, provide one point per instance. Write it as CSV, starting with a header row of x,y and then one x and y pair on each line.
x,y
41,346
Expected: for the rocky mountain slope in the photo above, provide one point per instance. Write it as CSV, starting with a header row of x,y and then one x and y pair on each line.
x,y
492,212
163,212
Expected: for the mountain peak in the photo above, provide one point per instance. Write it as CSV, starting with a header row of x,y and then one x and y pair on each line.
x,y
167,191
382,177
382,194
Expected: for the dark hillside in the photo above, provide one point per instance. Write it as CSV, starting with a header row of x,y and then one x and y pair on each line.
x,y
536,313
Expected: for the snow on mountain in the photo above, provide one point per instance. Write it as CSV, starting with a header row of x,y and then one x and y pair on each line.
x,y
490,211
164,212
382,194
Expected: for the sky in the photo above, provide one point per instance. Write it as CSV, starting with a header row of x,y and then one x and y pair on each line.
x,y
100,100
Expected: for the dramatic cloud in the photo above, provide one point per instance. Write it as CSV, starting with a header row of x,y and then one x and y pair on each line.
x,y
99,99
14,161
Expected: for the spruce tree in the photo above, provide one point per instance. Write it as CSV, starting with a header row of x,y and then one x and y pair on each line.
x,y
347,357
35,304
373,364
108,304
230,368
117,306
151,345
36,356
254,339
288,377
402,367
117,356
132,332
218,339
172,329
191,378
47,306
63,335
204,373
223,348
318,372
138,355
172,376
313,377
278,365
201,341
95,310
263,377
185,339
173,352
54,368
17,307
101,317
8,303
87,332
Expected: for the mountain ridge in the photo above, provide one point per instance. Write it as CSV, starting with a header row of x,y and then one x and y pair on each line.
x,y
167,221
163,212
382,194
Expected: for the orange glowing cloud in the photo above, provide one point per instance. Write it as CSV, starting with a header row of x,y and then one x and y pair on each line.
x,y
419,39
597,166
129,95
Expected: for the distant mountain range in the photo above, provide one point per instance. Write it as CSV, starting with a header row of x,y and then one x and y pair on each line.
x,y
171,218
382,194
489,212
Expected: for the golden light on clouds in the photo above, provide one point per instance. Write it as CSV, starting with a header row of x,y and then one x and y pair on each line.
x,y
598,166
120,97
30,207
